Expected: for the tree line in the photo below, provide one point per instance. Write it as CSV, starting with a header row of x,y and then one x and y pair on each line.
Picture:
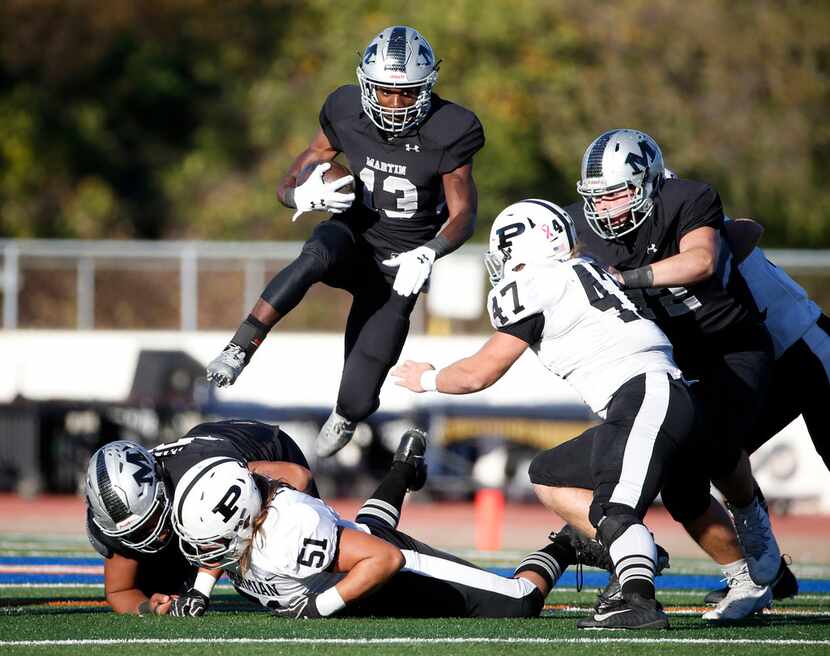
x,y
176,118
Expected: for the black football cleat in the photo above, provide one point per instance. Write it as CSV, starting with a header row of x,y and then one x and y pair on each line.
x,y
635,612
411,450
785,586
613,591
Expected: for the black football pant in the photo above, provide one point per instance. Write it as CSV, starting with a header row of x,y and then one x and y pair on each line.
x,y
625,459
434,583
730,395
800,386
378,321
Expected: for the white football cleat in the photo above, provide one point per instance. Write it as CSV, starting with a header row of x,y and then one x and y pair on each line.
x,y
225,368
336,433
743,599
759,546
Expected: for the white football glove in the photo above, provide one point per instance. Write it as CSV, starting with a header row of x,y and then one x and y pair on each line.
x,y
413,269
315,194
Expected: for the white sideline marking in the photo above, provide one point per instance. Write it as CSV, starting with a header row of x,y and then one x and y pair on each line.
x,y
405,641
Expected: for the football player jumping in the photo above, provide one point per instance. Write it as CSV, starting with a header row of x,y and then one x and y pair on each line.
x,y
583,328
411,152
296,556
129,492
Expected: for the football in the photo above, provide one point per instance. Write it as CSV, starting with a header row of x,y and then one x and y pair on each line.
x,y
336,172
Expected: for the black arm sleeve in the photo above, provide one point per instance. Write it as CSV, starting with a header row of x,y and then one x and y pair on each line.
x,y
528,330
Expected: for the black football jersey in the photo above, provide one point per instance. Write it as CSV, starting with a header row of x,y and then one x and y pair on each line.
x,y
244,440
399,202
688,314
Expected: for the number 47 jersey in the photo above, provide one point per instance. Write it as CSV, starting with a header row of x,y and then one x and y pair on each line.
x,y
581,325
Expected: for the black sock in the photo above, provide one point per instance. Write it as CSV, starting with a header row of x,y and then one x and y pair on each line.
x,y
548,562
385,503
638,586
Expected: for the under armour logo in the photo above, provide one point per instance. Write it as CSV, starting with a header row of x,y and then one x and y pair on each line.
x,y
413,147
652,248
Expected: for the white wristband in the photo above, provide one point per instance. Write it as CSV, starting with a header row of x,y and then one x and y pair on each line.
x,y
204,583
429,380
329,602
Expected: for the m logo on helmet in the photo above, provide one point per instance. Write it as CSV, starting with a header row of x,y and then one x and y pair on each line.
x,y
371,54
641,162
424,56
507,233
143,475
227,505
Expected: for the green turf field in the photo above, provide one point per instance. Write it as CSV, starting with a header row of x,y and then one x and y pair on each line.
x,y
66,620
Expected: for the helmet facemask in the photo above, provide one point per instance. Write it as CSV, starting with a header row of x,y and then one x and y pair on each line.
x,y
216,503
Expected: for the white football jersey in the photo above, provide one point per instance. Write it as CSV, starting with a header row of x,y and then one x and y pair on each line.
x,y
593,336
292,549
788,311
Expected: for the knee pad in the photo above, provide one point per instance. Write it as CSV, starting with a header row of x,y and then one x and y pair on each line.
x,y
611,520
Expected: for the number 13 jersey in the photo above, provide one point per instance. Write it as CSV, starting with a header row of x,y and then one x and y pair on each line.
x,y
581,325
400,201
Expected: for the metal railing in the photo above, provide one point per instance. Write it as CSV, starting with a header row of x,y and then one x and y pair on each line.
x,y
191,257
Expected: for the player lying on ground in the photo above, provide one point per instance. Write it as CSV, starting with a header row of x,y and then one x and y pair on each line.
x,y
415,201
574,316
662,236
129,491
295,555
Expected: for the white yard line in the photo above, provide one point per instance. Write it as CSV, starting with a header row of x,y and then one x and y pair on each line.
x,y
408,641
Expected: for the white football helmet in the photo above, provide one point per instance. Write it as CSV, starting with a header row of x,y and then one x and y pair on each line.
x,y
398,57
616,161
532,231
127,496
214,508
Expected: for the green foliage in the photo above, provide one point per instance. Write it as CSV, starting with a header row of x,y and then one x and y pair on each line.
x,y
176,118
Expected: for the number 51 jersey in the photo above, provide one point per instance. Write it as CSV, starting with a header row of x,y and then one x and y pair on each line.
x,y
581,325
293,550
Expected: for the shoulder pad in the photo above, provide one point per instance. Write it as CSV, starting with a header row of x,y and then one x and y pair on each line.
x,y
513,299
448,122
299,535
343,101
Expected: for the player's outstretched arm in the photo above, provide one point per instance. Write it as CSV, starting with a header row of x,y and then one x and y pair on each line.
x,y
465,376
120,575
368,561
695,262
